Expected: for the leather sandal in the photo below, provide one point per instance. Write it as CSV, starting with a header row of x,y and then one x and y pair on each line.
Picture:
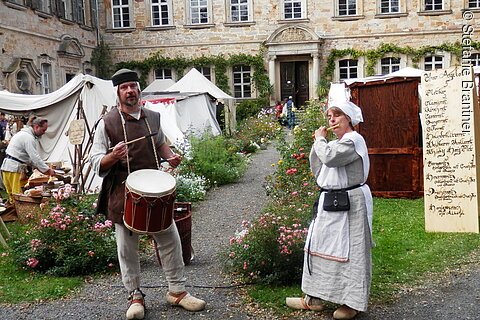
x,y
304,303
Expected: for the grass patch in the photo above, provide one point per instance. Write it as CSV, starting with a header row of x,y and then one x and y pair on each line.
x,y
22,286
404,256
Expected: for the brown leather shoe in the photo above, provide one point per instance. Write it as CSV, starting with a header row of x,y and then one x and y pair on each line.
x,y
345,313
305,303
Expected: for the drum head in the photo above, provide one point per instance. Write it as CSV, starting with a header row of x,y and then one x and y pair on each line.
x,y
151,182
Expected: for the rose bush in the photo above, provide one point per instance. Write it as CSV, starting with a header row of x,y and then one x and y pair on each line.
x,y
68,239
270,249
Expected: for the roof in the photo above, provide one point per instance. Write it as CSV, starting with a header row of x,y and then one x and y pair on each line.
x,y
194,81
158,85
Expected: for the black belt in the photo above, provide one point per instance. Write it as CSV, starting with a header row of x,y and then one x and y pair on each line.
x,y
13,158
344,189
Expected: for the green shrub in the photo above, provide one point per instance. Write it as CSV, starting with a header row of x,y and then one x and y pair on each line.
x,y
255,253
249,108
268,250
69,240
215,160
255,132
190,187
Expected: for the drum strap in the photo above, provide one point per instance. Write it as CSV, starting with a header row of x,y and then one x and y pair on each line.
x,y
152,139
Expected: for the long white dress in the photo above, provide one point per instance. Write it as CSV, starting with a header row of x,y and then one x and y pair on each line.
x,y
337,264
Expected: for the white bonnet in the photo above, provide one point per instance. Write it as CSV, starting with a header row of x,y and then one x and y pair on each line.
x,y
350,109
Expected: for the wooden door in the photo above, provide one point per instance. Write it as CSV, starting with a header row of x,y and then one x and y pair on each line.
x,y
392,131
294,81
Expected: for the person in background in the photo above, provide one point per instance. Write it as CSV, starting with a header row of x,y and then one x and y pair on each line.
x,y
3,126
289,112
338,261
112,160
22,153
278,111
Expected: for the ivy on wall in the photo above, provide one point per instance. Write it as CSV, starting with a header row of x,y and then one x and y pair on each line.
x,y
373,55
219,62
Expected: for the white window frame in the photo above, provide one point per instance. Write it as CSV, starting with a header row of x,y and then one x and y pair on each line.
x,y
46,69
390,64
389,6
195,14
209,74
298,9
433,5
339,68
159,73
165,5
433,62
243,8
243,82
339,8
123,8
475,59
475,2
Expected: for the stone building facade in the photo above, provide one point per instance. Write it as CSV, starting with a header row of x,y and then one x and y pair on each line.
x,y
301,41
296,37
45,43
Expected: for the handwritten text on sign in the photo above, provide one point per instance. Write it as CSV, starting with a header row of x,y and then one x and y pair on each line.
x,y
450,150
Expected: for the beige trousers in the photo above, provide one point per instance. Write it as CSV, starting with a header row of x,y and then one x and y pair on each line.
x,y
169,248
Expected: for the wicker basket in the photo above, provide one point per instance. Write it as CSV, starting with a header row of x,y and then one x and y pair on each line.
x,y
27,208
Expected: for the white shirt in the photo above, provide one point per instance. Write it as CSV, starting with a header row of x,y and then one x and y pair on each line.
x,y
23,146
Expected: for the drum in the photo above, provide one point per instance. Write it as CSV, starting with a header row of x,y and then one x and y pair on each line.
x,y
149,200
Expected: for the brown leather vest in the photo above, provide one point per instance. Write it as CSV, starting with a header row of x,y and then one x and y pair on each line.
x,y
140,155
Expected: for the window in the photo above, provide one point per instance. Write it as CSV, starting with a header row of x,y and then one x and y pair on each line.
x,y
242,86
347,7
293,9
20,2
389,6
433,62
161,13
121,14
431,5
78,11
42,5
475,59
206,71
163,73
240,10
473,4
348,68
199,13
389,65
46,74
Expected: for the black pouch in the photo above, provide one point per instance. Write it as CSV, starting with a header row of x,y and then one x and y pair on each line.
x,y
336,200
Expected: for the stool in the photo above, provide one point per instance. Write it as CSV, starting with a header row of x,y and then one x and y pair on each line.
x,y
4,233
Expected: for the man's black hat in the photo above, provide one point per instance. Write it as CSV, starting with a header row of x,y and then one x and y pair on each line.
x,y
124,75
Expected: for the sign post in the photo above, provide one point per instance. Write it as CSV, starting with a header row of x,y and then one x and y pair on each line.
x,y
451,150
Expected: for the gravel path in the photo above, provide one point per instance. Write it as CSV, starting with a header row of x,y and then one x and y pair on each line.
x,y
454,296
214,221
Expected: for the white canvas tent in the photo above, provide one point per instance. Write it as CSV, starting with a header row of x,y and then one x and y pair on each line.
x,y
195,82
84,97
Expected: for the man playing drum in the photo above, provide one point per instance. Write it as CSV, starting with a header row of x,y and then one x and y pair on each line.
x,y
113,160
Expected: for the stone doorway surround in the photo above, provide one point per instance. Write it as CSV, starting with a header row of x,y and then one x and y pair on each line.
x,y
293,42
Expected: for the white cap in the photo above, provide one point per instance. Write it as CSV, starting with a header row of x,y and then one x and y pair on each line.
x,y
350,109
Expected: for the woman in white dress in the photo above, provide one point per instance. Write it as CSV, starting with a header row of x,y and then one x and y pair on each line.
x,y
338,264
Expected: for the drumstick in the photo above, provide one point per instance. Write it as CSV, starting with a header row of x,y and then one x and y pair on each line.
x,y
333,127
138,139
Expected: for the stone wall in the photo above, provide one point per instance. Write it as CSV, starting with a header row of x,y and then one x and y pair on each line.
x,y
38,37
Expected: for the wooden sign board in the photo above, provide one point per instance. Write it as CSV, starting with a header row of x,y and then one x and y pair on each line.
x,y
76,131
451,146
